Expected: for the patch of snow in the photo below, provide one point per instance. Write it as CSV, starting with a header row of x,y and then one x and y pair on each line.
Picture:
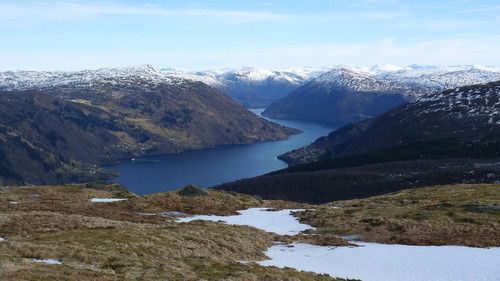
x,y
162,214
380,262
145,214
173,213
107,199
49,261
1,239
14,202
350,237
280,222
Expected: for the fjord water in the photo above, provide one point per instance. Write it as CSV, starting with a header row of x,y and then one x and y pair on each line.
x,y
213,166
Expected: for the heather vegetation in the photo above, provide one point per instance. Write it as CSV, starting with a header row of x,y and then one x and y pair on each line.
x,y
134,239
328,185
139,239
466,215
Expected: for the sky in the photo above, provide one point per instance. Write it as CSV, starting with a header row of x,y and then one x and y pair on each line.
x,y
202,35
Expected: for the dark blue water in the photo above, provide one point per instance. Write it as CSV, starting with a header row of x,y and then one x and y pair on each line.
x,y
213,166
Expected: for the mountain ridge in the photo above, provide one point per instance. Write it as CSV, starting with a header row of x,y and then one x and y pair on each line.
x,y
256,87
339,97
470,109
122,114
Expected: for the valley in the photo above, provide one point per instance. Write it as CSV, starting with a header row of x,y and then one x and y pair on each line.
x,y
209,167
421,171
64,126
446,137
249,140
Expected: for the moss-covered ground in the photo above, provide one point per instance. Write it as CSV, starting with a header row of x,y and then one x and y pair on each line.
x,y
137,239
129,240
467,215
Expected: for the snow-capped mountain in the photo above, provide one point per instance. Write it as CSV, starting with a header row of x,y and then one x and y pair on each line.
x,y
439,77
23,80
258,87
340,96
253,87
250,86
355,81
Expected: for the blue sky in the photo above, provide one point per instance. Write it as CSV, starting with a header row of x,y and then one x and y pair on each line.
x,y
73,34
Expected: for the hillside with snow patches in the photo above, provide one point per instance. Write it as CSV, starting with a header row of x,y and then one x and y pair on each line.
x,y
466,113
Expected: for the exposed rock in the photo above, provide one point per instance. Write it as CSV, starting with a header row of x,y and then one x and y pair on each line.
x,y
192,191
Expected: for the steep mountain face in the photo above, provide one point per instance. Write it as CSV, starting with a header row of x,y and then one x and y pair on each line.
x,y
467,113
252,87
339,97
76,120
45,139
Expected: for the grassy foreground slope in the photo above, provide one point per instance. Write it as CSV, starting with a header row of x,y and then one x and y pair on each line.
x,y
119,241
138,239
467,215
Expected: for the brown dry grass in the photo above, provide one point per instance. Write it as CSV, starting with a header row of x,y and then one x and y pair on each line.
x,y
109,241
439,215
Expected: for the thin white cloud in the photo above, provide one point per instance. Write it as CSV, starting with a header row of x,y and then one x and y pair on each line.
x,y
71,11
485,51
440,24
481,51
386,2
78,11
481,9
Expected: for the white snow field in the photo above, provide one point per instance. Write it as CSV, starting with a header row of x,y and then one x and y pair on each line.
x,y
279,222
49,261
369,261
107,199
381,262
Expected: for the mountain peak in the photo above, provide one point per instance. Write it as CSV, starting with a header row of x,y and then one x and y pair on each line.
x,y
29,80
349,80
339,76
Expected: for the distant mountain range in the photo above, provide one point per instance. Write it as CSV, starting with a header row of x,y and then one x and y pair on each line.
x,y
252,87
259,87
59,127
447,137
343,96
